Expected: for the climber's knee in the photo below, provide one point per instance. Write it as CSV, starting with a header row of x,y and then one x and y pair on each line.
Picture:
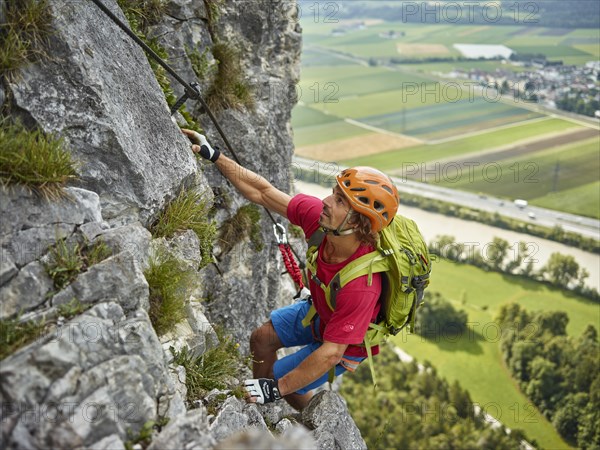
x,y
265,338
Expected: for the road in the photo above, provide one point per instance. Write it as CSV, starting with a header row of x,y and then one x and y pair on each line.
x,y
584,226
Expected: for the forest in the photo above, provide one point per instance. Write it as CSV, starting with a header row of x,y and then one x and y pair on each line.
x,y
557,372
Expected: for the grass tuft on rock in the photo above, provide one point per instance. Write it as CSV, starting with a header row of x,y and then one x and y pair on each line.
x,y
143,438
209,371
68,259
15,334
244,224
32,159
24,34
213,13
200,63
229,90
171,284
143,13
188,211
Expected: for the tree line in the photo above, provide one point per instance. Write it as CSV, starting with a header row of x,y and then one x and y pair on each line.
x,y
560,374
561,271
580,102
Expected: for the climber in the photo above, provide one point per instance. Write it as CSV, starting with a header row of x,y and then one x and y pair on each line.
x,y
363,202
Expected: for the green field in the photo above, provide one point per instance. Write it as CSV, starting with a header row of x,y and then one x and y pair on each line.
x,y
442,120
388,98
565,169
474,358
582,200
432,152
317,132
423,109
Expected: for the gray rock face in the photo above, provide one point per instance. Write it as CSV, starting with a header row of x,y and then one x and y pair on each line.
x,y
186,247
132,238
30,224
95,376
230,419
252,439
269,44
7,267
333,426
189,431
25,291
112,442
118,278
94,380
101,95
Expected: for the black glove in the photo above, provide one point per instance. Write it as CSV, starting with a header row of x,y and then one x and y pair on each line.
x,y
264,390
206,151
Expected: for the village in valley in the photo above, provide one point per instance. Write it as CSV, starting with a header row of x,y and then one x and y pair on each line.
x,y
550,83
535,78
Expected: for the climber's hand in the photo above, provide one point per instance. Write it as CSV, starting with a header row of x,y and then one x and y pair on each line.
x,y
262,390
201,145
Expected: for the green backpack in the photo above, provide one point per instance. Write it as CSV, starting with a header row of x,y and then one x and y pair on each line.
x,y
403,258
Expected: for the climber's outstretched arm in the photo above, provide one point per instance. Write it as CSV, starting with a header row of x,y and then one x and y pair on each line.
x,y
252,186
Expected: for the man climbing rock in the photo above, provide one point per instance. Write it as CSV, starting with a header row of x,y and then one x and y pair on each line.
x,y
362,203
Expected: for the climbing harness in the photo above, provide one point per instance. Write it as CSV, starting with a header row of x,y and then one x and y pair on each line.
x,y
286,254
191,91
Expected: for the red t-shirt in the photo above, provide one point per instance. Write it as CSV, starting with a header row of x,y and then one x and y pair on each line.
x,y
356,303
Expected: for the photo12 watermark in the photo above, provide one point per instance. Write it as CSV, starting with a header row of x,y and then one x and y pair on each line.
x,y
452,12
491,412
469,172
92,412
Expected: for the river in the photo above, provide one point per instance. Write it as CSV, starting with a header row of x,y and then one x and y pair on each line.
x,y
478,236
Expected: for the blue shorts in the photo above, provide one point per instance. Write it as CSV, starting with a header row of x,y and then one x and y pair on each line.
x,y
287,322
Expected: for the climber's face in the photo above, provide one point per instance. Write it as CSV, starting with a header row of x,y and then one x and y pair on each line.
x,y
335,209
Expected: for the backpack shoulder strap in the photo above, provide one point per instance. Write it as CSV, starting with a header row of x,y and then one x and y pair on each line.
x,y
368,264
314,242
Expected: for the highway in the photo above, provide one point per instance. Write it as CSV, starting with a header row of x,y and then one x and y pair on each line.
x,y
584,226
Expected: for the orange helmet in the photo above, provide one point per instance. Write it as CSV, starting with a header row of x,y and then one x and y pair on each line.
x,y
370,193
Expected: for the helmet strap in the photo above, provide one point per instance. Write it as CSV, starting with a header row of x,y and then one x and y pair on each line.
x,y
339,231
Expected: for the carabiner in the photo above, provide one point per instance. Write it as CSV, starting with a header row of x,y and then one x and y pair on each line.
x,y
279,232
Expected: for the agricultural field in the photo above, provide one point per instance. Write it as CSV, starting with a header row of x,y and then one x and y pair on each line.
x,y
571,46
424,116
392,161
563,169
474,358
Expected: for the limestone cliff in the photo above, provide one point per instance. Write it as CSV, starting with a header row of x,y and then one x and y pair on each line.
x,y
98,375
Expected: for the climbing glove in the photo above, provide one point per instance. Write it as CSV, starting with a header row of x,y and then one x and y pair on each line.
x,y
206,151
264,390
